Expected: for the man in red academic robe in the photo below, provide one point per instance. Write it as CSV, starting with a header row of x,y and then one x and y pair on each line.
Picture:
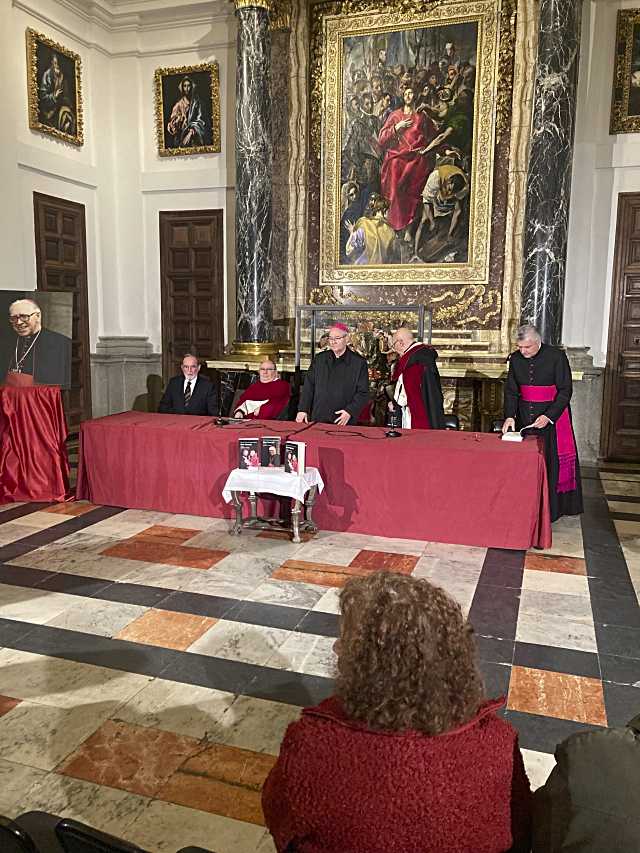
x,y
266,399
418,392
404,137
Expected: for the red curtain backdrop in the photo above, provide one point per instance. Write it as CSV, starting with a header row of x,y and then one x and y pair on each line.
x,y
34,464
444,486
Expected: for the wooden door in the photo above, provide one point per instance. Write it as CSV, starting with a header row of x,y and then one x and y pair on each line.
x,y
61,264
191,270
621,411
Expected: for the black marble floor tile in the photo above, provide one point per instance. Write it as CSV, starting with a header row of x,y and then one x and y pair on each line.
x,y
323,624
133,593
494,611
270,615
615,610
633,499
22,575
618,640
15,512
620,670
501,558
496,677
217,673
626,516
556,659
543,734
58,531
11,630
215,606
494,649
75,585
280,685
621,702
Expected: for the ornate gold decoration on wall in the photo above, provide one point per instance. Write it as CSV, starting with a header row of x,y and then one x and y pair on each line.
x,y
334,296
205,81
247,4
55,72
508,20
625,98
488,306
280,14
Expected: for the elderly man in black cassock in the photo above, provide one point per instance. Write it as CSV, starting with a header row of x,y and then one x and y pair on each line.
x,y
537,394
336,387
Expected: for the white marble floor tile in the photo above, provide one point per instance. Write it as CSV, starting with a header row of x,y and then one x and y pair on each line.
x,y
71,562
11,531
574,608
630,476
94,616
42,735
538,766
266,844
621,487
83,541
33,605
185,709
555,582
330,602
442,571
166,827
306,653
246,568
628,507
129,523
556,631
198,522
64,683
236,641
413,547
256,724
4,507
326,552
40,520
287,593
456,553
16,781
566,543
628,530
106,809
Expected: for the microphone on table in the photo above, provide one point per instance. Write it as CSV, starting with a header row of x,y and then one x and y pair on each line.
x,y
393,433
394,419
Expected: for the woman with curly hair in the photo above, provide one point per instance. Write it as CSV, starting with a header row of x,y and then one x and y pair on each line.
x,y
408,756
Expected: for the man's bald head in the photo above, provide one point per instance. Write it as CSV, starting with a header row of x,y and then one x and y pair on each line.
x,y
402,339
25,317
338,339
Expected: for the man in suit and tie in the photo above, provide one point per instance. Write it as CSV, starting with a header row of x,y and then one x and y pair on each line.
x,y
189,394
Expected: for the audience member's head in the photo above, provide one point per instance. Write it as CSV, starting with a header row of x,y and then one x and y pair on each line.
x,y
402,339
405,656
190,366
267,370
338,338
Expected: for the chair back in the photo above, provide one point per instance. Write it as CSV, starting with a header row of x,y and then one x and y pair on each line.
x,y
13,839
496,426
77,837
451,422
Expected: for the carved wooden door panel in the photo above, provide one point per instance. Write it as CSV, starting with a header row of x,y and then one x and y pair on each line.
x,y
191,270
61,264
621,411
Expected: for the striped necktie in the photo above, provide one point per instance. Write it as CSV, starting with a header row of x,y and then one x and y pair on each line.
x,y
187,394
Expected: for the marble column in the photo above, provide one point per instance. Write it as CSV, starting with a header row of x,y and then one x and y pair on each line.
x,y
549,172
254,158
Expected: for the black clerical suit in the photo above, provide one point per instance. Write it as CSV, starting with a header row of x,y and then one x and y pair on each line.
x,y
204,397
335,383
549,366
48,360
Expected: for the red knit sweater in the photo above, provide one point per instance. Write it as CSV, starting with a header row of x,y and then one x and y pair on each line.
x,y
339,787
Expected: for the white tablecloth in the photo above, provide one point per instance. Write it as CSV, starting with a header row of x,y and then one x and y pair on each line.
x,y
272,480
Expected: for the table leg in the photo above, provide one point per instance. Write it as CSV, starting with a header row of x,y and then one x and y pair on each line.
x,y
237,505
295,520
253,503
309,503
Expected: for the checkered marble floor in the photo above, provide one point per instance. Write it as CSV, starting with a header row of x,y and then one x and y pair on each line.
x,y
150,663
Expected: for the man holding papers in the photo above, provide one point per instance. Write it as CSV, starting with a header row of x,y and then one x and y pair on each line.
x,y
537,394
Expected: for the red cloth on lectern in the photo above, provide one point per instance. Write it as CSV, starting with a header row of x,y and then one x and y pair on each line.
x,y
34,465
276,394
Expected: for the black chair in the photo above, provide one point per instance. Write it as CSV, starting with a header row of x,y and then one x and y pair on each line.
x,y
451,422
496,426
14,839
75,837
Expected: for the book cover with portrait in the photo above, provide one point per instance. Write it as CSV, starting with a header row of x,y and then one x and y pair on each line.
x,y
294,453
248,453
270,452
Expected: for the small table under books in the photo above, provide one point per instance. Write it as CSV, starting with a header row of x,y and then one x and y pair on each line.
x,y
301,488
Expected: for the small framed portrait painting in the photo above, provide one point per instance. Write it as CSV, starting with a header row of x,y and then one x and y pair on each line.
x,y
54,83
625,101
188,110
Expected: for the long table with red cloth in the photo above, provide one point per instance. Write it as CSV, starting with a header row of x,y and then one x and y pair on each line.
x,y
34,463
443,486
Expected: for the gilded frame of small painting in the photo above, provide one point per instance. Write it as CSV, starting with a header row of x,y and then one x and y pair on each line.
x,y
407,179
54,89
625,100
187,107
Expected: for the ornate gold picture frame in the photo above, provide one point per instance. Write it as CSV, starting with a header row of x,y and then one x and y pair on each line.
x,y
187,100
407,182
625,102
54,87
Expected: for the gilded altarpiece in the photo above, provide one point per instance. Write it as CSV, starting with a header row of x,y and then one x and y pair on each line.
x,y
443,227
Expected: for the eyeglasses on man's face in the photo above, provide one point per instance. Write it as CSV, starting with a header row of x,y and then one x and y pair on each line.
x,y
335,338
14,319
266,369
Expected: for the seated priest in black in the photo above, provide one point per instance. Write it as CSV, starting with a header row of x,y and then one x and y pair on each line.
x,y
537,394
33,354
189,394
336,387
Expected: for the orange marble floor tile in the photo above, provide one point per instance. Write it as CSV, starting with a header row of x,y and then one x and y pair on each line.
x,y
556,694
133,758
74,508
7,703
375,561
150,551
550,563
169,535
323,574
223,780
166,629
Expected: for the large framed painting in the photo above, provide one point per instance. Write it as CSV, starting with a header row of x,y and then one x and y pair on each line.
x,y
54,77
408,144
625,104
188,110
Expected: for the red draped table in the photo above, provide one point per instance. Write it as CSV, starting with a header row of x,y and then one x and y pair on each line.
x,y
34,464
444,486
